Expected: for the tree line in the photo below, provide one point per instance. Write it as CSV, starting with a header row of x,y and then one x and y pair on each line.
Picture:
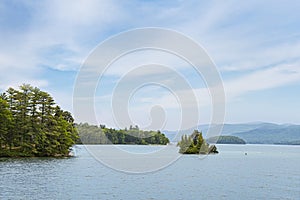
x,y
31,124
226,139
92,134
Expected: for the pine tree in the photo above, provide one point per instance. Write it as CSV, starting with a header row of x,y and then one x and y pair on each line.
x,y
5,122
195,144
32,124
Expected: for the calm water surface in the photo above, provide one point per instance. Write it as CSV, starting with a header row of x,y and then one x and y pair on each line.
x,y
266,172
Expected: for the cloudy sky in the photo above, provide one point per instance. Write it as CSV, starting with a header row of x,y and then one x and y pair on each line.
x,y
255,45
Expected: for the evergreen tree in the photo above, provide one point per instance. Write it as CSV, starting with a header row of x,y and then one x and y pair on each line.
x,y
91,134
5,123
32,124
195,144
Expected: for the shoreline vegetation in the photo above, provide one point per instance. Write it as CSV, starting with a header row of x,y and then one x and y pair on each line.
x,y
92,134
33,125
226,139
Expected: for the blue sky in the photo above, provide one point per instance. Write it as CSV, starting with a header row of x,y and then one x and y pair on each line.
x,y
255,46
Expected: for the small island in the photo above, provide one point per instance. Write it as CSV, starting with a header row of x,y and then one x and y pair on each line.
x,y
195,144
228,139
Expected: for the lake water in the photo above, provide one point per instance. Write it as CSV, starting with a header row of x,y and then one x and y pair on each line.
x,y
266,172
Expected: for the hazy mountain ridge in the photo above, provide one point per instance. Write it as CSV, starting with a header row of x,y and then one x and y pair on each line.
x,y
284,134
252,133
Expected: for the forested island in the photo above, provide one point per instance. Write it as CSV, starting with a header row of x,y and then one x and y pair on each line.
x,y
297,142
227,139
92,134
31,124
195,144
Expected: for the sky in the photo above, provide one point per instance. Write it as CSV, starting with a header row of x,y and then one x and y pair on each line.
x,y
255,46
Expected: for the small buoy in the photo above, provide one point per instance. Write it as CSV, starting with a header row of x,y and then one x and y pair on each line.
x,y
245,153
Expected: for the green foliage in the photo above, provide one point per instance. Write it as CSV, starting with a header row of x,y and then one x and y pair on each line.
x,y
31,124
226,140
195,144
91,134
5,122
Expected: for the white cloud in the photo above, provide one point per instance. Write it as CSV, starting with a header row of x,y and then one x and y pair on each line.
x,y
136,59
276,76
20,81
255,39
259,80
52,23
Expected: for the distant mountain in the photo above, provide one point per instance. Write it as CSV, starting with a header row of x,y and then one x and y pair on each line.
x,y
253,133
283,134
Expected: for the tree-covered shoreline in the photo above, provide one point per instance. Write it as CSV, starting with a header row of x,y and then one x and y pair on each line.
x,y
92,134
32,124
226,139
